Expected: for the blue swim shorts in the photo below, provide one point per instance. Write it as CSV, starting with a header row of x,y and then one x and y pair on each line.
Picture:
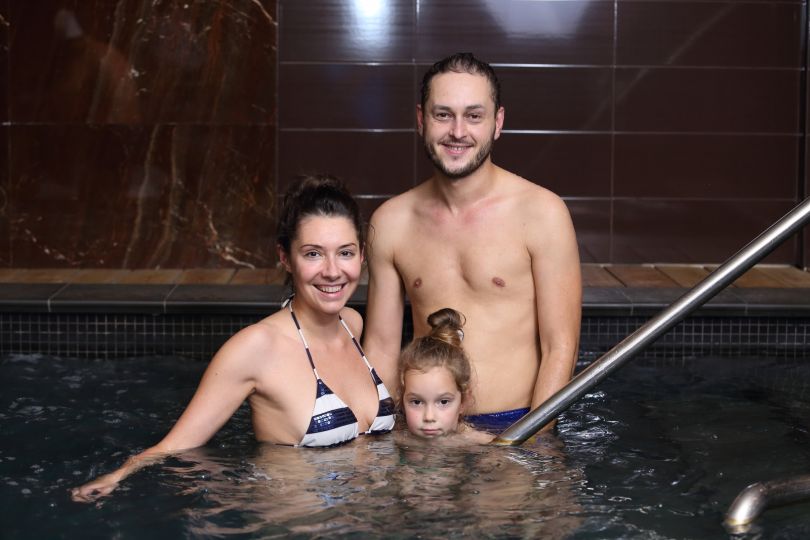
x,y
495,422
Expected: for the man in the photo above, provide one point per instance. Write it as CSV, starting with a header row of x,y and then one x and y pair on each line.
x,y
479,239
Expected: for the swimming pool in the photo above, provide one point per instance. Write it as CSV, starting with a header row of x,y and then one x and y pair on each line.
x,y
658,451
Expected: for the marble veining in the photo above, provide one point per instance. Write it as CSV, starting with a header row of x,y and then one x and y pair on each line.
x,y
141,134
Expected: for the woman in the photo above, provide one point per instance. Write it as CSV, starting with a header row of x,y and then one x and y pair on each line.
x,y
302,371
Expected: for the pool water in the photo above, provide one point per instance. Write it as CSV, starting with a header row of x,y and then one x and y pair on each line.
x,y
657,451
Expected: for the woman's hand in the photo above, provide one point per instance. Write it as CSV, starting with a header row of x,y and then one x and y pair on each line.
x,y
95,489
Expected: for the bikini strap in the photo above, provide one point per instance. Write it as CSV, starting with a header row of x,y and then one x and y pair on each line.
x,y
356,344
303,340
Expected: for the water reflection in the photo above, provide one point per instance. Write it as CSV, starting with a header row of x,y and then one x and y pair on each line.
x,y
393,483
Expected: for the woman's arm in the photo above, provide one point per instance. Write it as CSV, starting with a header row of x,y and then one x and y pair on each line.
x,y
227,381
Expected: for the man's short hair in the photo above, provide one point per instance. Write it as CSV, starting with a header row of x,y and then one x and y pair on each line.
x,y
463,63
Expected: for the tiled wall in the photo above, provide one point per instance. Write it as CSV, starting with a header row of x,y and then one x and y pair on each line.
x,y
140,133
673,129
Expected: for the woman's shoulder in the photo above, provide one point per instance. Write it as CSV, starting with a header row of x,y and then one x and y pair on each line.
x,y
353,319
266,338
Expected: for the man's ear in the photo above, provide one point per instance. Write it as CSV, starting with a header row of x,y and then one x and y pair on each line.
x,y
419,119
283,258
499,122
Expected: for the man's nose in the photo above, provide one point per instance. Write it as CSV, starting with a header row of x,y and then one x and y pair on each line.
x,y
459,128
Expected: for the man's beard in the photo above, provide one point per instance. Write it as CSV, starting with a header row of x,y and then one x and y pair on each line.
x,y
472,166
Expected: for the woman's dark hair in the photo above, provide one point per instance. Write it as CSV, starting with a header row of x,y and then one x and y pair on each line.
x,y
316,195
440,348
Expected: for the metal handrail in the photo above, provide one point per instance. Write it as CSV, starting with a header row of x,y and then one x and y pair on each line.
x,y
723,276
754,499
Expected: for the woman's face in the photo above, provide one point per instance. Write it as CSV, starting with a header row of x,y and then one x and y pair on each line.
x,y
325,261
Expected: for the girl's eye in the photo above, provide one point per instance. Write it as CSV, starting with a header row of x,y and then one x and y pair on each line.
x,y
415,402
444,401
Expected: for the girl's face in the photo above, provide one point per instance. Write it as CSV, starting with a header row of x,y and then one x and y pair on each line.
x,y
432,402
325,261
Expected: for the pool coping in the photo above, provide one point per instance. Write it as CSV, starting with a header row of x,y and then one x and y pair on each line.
x,y
257,299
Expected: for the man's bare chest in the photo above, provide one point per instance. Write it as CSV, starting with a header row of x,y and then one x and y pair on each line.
x,y
437,265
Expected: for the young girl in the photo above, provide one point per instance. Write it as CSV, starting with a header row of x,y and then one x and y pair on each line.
x,y
434,375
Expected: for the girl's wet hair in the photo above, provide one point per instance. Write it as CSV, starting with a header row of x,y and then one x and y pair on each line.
x,y
440,348
316,195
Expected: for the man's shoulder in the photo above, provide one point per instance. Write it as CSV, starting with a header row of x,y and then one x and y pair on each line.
x,y
531,196
398,207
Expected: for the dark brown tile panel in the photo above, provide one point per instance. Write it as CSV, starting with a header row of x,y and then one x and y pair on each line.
x,y
595,275
130,62
640,275
4,39
693,231
339,31
346,96
685,275
757,166
424,167
556,98
131,197
514,31
5,211
720,33
571,165
370,163
719,100
369,204
592,225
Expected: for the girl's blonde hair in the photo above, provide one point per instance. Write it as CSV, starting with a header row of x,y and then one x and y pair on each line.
x,y
440,348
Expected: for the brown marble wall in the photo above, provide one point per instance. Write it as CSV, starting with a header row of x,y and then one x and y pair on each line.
x,y
143,133
139,133
673,129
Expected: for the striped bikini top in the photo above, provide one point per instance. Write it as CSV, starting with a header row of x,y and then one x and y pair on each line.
x,y
333,422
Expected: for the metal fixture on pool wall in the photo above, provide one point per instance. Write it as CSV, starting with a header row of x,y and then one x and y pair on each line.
x,y
754,499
